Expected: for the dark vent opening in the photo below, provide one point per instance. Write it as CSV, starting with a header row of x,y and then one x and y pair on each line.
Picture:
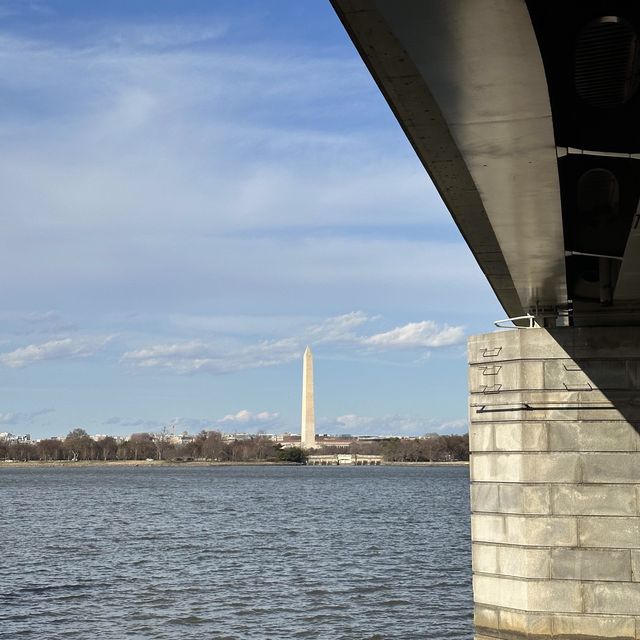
x,y
598,197
606,62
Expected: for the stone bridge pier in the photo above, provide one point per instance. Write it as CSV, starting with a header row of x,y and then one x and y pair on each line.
x,y
554,419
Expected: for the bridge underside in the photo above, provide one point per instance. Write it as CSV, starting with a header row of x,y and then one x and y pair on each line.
x,y
526,115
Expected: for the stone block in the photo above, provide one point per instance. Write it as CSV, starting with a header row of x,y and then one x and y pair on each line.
x,y
540,344
599,531
594,499
611,468
524,530
525,499
485,617
591,626
549,595
611,597
500,592
521,623
510,376
488,528
488,348
518,562
591,564
485,497
520,436
481,437
484,558
565,375
530,374
523,562
592,436
526,468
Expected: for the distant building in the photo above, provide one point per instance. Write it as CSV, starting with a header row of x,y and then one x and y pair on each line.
x,y
356,459
15,439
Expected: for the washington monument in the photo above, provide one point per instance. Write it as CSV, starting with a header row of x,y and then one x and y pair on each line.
x,y
308,429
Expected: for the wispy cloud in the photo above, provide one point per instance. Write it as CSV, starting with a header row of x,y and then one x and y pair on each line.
x,y
49,322
339,331
20,417
204,357
249,419
63,349
416,335
162,36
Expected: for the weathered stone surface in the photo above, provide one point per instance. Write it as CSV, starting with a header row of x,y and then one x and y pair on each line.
x,y
484,558
481,437
520,562
594,499
526,467
528,595
515,625
592,436
485,497
611,467
612,597
520,436
485,617
593,626
605,532
591,564
529,499
519,623
525,530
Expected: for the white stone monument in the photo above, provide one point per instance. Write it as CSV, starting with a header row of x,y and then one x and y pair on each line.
x,y
308,428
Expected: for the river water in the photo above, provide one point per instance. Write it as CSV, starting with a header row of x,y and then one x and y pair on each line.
x,y
238,553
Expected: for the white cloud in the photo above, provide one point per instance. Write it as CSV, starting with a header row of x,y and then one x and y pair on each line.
x,y
215,358
416,335
338,329
63,349
162,35
245,417
224,356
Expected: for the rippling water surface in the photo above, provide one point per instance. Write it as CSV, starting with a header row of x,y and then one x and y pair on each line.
x,y
235,553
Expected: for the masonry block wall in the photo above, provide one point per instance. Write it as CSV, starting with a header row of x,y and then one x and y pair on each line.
x,y
555,471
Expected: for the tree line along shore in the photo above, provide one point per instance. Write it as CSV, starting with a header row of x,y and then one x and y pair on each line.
x,y
211,446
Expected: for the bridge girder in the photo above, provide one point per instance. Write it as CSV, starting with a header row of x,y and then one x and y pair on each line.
x,y
525,115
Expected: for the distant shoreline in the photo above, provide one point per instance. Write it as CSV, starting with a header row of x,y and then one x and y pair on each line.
x,y
196,463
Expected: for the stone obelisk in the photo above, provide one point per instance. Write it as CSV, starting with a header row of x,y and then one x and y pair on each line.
x,y
308,429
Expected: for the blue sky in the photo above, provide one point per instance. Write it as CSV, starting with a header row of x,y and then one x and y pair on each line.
x,y
192,192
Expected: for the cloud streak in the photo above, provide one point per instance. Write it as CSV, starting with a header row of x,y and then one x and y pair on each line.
x,y
416,335
19,417
190,357
63,349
